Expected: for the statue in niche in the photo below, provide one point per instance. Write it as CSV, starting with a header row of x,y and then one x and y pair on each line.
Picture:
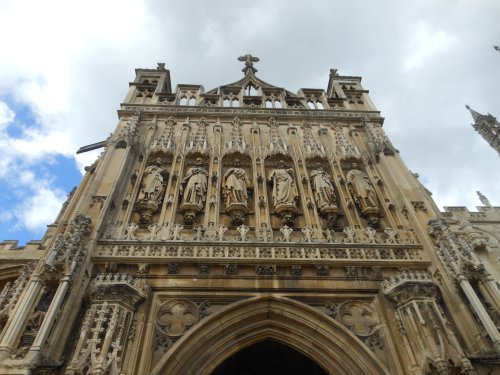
x,y
362,189
364,195
284,193
322,185
235,185
324,195
152,185
151,191
193,190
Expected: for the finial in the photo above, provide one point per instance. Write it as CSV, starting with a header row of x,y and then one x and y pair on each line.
x,y
161,66
249,60
496,48
483,199
333,73
467,106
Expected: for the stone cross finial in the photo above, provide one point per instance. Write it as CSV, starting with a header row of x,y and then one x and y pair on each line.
x,y
249,60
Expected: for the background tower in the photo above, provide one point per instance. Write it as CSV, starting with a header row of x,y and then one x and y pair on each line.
x,y
488,127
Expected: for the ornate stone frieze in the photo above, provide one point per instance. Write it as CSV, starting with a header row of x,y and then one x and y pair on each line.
x,y
327,114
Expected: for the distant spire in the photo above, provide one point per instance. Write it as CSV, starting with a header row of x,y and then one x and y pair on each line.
x,y
475,115
249,60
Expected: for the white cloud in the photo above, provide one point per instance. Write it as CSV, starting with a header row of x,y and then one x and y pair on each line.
x,y
427,43
41,208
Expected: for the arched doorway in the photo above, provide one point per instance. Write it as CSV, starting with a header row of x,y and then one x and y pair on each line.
x,y
294,324
268,357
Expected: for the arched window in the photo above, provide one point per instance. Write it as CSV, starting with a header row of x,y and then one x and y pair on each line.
x,y
183,101
192,101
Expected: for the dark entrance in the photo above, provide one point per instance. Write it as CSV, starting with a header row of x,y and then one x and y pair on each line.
x,y
268,357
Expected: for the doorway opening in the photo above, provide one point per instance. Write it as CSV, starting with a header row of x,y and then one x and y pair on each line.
x,y
268,357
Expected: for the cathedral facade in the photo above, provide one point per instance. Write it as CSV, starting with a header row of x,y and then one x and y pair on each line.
x,y
249,230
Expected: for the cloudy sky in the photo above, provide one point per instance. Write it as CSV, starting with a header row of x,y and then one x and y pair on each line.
x,y
65,67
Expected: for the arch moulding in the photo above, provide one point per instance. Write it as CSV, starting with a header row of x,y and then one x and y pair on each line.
x,y
289,322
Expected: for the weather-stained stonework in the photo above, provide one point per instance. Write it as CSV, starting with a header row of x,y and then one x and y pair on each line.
x,y
219,223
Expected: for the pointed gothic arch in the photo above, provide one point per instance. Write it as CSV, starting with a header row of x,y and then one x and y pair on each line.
x,y
289,322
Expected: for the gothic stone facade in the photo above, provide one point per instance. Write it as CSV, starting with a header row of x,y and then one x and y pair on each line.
x,y
217,220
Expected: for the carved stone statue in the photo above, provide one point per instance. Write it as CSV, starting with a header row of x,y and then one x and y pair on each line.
x,y
194,191
235,184
362,189
364,195
324,194
152,185
483,199
284,193
152,189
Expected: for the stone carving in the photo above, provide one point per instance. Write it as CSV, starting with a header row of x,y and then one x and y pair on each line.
x,y
485,201
199,233
152,189
105,329
322,270
311,147
199,140
370,235
265,270
249,60
176,316
130,231
308,234
363,193
67,252
165,143
423,325
176,232
243,230
265,234
236,142
11,292
379,141
350,235
329,236
154,230
128,134
359,317
286,231
194,191
324,195
391,236
235,185
346,150
277,144
284,193
220,230
390,253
